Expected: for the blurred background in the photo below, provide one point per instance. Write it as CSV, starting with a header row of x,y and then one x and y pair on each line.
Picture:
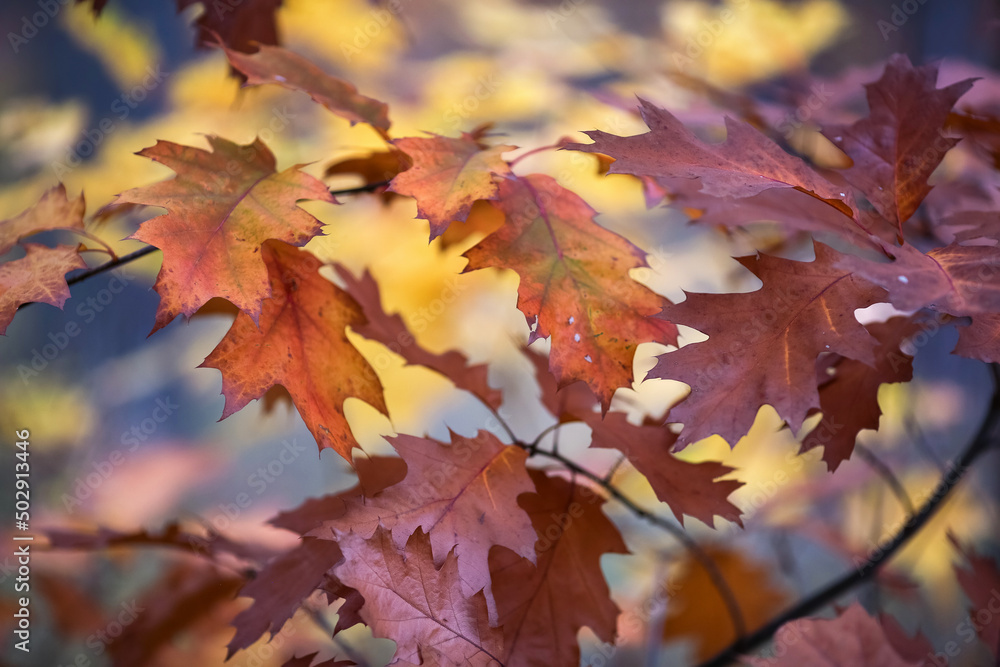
x,y
125,430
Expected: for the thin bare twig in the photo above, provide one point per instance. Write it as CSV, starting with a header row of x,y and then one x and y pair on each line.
x,y
985,437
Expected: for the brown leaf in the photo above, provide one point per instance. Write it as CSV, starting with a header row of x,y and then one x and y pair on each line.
x,y
39,276
417,605
53,210
543,607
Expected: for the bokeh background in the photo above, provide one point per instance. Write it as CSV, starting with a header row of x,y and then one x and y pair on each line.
x,y
538,71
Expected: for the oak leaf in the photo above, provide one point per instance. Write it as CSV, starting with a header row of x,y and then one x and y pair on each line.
x,y
242,25
849,397
273,64
54,210
543,607
301,343
763,345
462,495
853,639
981,584
222,206
419,606
956,279
899,144
574,283
39,276
746,164
448,175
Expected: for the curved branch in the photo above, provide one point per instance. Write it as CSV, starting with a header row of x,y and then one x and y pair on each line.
x,y
984,438
718,581
885,472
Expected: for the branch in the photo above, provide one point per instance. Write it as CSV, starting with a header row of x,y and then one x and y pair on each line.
x,y
980,444
142,252
728,598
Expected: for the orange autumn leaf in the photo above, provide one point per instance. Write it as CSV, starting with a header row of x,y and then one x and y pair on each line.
x,y
222,206
53,211
696,611
449,175
38,276
301,344
574,283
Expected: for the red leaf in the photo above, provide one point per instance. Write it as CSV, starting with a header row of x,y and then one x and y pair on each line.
x,y
448,175
746,164
956,279
54,210
280,588
242,25
763,345
543,607
36,277
392,332
222,206
849,400
981,583
574,283
273,64
853,639
302,345
418,606
688,488
463,495
897,146
981,339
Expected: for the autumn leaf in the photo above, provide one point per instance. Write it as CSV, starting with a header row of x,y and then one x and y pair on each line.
x,y
391,331
301,344
848,395
688,488
53,211
242,25
899,144
762,346
448,175
222,206
307,661
574,285
981,584
36,277
280,588
273,64
746,164
419,606
853,639
543,607
696,609
956,279
980,339
462,495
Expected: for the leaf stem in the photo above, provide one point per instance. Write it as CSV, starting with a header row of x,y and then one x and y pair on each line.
x,y
985,437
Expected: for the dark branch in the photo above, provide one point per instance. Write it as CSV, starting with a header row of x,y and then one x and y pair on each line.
x,y
865,571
